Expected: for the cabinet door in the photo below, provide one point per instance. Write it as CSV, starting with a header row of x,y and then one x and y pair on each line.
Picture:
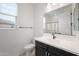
x,y
58,52
54,53
40,51
51,54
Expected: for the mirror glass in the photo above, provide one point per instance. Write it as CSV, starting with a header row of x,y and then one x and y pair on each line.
x,y
76,16
59,20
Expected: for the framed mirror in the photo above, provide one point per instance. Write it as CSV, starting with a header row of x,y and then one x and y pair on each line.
x,y
59,20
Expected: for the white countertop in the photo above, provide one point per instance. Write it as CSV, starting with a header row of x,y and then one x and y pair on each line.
x,y
64,42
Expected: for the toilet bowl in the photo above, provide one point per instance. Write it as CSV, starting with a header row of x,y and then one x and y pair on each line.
x,y
29,49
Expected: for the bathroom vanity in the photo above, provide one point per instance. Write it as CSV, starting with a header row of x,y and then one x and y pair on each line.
x,y
60,46
47,50
64,21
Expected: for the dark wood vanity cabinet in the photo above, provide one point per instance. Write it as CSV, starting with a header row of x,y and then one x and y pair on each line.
x,y
42,49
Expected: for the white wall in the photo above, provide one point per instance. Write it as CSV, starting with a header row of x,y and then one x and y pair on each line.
x,y
39,10
13,40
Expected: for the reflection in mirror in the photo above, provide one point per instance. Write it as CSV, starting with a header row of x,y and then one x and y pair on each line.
x,y
76,16
59,20
8,13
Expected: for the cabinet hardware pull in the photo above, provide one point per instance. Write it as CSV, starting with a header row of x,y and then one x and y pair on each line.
x,y
46,53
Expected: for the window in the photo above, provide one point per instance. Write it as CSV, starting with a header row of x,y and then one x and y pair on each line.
x,y
8,13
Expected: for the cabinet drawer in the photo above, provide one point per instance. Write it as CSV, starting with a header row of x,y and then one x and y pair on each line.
x,y
41,45
59,52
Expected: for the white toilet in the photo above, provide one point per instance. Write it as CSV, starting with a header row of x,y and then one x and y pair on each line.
x,y
28,50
